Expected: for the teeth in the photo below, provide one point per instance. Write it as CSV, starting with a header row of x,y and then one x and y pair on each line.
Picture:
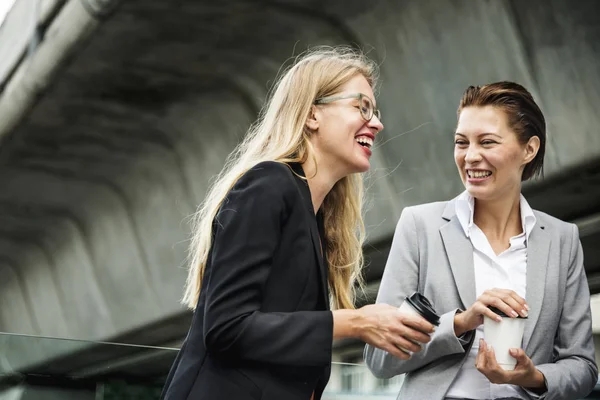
x,y
479,174
364,140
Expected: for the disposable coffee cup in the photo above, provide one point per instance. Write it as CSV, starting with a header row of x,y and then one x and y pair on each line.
x,y
504,335
417,304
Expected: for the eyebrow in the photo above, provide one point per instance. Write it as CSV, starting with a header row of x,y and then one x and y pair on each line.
x,y
481,134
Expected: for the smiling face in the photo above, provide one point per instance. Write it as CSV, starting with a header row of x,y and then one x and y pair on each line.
x,y
489,156
342,138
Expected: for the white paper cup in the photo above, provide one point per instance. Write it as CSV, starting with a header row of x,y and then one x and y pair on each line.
x,y
419,305
406,308
502,336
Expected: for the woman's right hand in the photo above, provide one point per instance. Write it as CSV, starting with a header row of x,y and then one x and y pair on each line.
x,y
384,327
505,300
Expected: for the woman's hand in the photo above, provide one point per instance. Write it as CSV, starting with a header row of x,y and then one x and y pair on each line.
x,y
525,373
504,300
385,327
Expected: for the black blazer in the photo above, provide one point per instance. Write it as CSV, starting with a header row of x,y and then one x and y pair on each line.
x,y
262,328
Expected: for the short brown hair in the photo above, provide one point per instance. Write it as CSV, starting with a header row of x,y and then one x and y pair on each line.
x,y
524,115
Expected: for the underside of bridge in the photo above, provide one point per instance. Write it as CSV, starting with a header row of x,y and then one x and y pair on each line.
x,y
100,173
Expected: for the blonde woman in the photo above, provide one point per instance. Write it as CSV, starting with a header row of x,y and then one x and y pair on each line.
x,y
280,234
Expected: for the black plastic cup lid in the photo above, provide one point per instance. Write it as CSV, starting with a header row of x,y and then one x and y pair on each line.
x,y
502,314
423,306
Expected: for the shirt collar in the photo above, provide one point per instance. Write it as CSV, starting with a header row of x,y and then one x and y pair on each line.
x,y
465,206
527,217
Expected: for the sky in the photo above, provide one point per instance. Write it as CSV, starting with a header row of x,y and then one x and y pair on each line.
x,y
5,6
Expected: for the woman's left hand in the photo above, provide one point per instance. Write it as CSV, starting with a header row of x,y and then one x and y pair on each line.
x,y
525,373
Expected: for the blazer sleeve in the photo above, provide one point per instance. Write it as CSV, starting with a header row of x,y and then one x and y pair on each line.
x,y
247,233
574,373
400,279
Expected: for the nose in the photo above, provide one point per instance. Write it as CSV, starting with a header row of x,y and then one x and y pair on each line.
x,y
376,124
472,156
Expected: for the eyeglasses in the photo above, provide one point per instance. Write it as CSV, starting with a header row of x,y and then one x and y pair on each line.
x,y
366,107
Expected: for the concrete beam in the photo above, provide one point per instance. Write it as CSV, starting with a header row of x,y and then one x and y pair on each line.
x,y
589,225
71,27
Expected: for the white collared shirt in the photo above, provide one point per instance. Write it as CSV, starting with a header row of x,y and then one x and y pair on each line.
x,y
507,270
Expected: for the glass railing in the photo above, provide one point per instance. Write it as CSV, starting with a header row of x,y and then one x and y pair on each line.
x,y
43,368
34,367
355,381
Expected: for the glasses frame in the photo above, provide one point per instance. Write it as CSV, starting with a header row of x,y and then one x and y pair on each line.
x,y
359,96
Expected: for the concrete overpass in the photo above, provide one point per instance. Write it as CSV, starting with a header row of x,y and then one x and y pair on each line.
x,y
114,116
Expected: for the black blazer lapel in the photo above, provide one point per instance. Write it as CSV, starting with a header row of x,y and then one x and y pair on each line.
x,y
323,263
317,239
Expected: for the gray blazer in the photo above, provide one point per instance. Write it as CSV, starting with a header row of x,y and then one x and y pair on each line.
x,y
431,253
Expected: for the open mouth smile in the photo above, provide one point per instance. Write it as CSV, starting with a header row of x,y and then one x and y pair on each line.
x,y
364,141
477,175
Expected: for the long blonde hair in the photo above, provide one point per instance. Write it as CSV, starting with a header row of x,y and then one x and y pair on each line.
x,y
280,135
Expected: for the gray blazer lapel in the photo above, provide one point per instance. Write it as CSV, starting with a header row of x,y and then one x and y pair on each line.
x,y
538,247
460,255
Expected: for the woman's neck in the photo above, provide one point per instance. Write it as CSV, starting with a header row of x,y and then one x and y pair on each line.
x,y
499,219
320,182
